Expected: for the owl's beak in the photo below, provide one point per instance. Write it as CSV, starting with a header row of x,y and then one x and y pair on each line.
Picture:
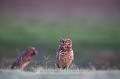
x,y
36,52
68,47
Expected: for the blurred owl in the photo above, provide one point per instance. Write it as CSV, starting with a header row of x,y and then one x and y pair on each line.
x,y
24,59
64,55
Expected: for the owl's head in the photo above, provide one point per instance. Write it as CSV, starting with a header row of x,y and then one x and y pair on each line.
x,y
65,43
31,51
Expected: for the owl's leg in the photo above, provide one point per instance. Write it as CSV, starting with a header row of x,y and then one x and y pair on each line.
x,y
13,67
67,67
59,67
22,68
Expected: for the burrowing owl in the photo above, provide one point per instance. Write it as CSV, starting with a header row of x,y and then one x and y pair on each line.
x,y
65,54
24,59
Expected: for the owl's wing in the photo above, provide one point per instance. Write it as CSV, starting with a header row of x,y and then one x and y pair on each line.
x,y
72,54
57,55
20,58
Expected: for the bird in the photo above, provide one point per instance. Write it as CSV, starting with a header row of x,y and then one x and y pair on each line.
x,y
24,59
64,54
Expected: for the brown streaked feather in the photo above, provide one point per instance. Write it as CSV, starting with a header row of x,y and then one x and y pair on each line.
x,y
64,55
24,59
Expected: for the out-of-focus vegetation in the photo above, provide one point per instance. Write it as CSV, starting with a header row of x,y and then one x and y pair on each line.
x,y
89,36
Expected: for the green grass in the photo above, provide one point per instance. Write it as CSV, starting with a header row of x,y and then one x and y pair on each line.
x,y
86,34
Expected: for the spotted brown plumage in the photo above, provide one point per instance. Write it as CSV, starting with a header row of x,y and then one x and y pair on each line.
x,y
64,56
24,59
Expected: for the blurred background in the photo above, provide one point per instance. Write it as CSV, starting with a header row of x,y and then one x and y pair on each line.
x,y
92,25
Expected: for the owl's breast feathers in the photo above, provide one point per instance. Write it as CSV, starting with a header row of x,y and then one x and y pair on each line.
x,y
65,56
